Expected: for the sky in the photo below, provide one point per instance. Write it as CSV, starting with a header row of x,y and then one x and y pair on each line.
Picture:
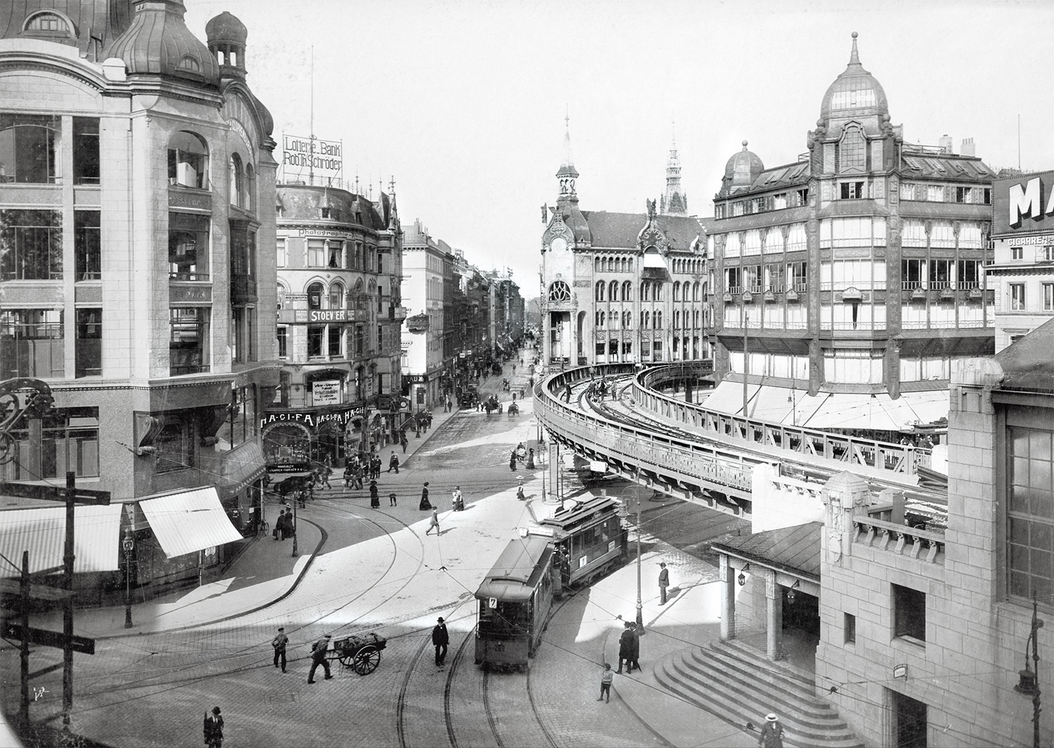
x,y
464,103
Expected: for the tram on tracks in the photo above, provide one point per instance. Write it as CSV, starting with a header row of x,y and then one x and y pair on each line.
x,y
589,539
513,603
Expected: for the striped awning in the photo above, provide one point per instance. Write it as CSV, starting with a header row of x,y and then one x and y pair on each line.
x,y
189,521
42,532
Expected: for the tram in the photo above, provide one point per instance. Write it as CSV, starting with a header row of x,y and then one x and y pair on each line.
x,y
589,538
513,602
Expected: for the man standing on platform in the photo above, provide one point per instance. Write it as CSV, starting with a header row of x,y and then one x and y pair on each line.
x,y
664,582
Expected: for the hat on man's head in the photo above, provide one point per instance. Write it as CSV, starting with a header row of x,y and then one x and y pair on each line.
x,y
772,718
440,619
662,563
281,628
329,636
215,710
426,483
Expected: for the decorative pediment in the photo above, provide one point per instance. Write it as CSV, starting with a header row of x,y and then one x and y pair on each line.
x,y
557,229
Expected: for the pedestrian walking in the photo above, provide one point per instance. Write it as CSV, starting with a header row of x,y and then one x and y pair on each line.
x,y
425,504
214,728
634,646
392,500
349,474
771,733
530,458
279,526
402,440
323,476
318,657
440,640
606,678
279,643
664,582
375,499
393,463
457,501
434,523
512,461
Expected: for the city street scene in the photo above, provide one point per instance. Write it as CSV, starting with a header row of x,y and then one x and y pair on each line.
x,y
568,375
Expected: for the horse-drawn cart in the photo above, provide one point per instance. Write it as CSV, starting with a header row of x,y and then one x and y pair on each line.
x,y
362,652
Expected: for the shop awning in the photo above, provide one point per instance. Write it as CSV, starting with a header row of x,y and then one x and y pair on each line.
x,y
242,465
189,521
42,532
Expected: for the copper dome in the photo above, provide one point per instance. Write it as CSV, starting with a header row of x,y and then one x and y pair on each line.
x,y
854,92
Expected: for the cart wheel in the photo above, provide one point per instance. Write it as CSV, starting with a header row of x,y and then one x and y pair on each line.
x,y
347,659
367,659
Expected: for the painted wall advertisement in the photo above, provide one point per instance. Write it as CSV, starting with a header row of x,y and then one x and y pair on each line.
x,y
326,392
323,158
1024,205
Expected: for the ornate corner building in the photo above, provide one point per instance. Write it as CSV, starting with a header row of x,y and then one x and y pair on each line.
x,y
622,287
137,229
854,271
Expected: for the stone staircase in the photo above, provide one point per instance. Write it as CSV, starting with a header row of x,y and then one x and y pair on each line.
x,y
738,683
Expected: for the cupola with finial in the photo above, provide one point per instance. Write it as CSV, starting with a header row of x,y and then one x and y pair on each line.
x,y
854,93
226,37
740,171
158,42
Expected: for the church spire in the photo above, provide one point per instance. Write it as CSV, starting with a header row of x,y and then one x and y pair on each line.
x,y
674,202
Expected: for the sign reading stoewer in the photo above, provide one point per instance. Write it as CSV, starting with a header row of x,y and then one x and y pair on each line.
x,y
324,158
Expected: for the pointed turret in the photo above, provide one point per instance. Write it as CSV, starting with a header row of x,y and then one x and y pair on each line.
x,y
674,202
567,202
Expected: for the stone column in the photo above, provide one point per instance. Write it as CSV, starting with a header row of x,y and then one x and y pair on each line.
x,y
727,575
773,617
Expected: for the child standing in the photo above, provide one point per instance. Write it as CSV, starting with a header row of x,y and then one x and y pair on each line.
x,y
605,684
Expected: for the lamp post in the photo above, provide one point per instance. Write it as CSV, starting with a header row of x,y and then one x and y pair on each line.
x,y
1029,683
296,500
625,512
128,544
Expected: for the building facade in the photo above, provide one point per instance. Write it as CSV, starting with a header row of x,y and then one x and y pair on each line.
x,y
856,269
622,287
136,252
1021,274
426,270
339,326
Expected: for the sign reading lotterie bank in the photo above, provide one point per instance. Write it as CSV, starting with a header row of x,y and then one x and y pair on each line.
x,y
1024,205
324,158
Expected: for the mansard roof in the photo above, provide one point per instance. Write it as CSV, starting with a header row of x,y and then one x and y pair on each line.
x,y
944,167
620,230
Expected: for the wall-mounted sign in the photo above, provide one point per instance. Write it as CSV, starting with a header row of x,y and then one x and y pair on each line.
x,y
332,315
324,158
900,671
1023,204
326,392
309,419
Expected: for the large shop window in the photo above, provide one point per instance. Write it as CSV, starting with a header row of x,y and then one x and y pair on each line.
x,y
89,343
189,342
31,343
188,161
87,245
68,440
188,246
30,245
30,147
175,445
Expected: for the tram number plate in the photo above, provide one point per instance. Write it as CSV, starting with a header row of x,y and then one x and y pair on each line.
x,y
492,602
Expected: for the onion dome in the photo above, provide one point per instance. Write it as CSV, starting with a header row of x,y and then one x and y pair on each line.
x,y
854,92
742,169
226,29
158,42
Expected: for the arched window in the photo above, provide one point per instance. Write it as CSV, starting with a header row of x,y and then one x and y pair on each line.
x,y
281,296
852,151
237,179
314,296
250,189
559,292
188,160
188,64
695,291
600,291
336,296
643,291
48,24
596,319
613,291
597,264
658,320
677,291
627,291
627,319
603,319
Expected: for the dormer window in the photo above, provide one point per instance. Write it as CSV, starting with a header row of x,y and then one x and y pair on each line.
x,y
48,24
189,64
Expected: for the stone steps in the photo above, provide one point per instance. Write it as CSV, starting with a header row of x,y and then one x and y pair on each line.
x,y
739,684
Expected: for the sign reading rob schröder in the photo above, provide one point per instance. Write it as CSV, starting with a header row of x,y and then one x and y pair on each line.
x,y
324,158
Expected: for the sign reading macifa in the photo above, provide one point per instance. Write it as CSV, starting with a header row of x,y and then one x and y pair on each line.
x,y
323,158
1024,205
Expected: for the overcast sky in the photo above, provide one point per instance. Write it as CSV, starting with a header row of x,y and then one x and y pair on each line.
x,y
463,101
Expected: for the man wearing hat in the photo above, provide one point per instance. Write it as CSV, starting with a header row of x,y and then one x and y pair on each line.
x,y
279,643
214,728
771,733
440,639
318,657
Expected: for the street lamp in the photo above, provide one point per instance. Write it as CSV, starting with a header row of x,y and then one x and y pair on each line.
x,y
625,513
128,544
1029,683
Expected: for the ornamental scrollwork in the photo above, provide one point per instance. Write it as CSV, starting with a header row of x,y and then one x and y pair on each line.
x,y
20,399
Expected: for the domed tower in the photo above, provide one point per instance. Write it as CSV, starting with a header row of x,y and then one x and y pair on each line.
x,y
158,42
854,94
740,172
226,37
